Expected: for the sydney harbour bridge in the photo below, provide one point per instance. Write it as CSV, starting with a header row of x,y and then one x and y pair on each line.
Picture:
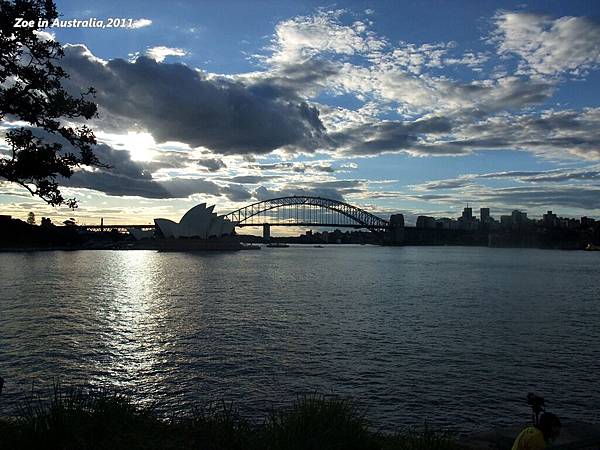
x,y
306,211
295,211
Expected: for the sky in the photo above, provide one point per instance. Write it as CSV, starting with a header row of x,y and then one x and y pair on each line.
x,y
413,107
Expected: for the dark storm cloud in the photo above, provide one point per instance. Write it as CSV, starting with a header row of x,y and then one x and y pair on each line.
x,y
176,103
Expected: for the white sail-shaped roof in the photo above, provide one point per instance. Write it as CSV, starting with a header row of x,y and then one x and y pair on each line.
x,y
228,227
199,221
196,221
167,227
216,226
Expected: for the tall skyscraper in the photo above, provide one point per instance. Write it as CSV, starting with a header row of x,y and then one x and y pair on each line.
x,y
467,213
484,215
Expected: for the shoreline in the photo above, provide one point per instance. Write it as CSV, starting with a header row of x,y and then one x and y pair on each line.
x,y
209,246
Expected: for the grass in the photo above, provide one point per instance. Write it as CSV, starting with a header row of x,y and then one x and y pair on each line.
x,y
78,419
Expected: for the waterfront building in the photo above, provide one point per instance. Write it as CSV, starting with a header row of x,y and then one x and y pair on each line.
x,y
199,222
397,220
467,222
445,223
506,221
587,222
519,218
467,214
550,220
426,222
484,215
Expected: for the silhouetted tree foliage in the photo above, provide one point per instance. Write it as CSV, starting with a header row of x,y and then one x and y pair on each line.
x,y
31,91
31,218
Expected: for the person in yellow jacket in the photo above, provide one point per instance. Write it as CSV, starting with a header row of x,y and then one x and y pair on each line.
x,y
537,437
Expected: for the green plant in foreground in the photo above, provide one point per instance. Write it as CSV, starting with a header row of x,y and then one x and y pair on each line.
x,y
81,419
319,422
74,418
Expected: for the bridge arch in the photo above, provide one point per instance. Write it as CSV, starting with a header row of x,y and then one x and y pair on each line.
x,y
301,208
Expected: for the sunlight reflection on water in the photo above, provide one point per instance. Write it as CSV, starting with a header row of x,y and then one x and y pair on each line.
x,y
449,335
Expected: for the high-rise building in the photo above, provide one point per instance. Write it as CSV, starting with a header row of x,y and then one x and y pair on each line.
x,y
519,219
550,220
425,222
467,213
397,220
484,215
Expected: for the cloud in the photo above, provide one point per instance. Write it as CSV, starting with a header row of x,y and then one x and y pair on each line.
x,y
127,177
236,193
263,193
312,54
444,184
565,133
212,164
141,23
265,111
548,46
252,179
584,197
554,176
301,38
161,52
376,138
532,197
181,187
525,176
297,167
334,189
168,160
176,103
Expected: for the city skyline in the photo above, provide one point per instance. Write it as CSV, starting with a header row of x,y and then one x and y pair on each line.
x,y
394,108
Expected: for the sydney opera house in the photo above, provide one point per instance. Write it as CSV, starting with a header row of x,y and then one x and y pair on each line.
x,y
199,222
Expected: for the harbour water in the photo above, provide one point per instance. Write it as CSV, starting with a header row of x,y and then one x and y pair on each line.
x,y
454,336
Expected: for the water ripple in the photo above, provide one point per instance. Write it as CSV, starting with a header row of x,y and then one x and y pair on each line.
x,y
454,336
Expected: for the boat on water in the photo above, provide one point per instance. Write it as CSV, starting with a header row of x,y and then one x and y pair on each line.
x,y
592,248
318,246
277,245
